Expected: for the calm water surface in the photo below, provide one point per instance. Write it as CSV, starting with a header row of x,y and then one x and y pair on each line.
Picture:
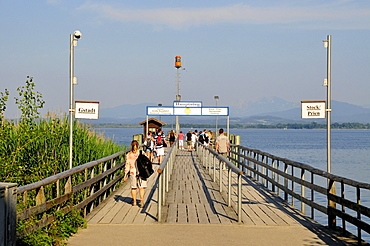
x,y
350,149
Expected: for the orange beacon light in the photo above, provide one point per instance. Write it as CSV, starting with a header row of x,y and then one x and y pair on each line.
x,y
177,62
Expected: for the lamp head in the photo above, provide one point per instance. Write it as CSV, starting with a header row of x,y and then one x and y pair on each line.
x,y
326,43
77,34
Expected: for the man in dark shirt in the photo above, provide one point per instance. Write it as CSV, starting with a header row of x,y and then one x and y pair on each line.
x,y
188,140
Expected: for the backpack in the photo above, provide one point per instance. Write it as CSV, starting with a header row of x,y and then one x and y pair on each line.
x,y
144,166
148,143
159,140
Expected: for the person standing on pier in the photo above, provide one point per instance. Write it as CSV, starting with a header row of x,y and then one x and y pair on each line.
x,y
172,138
188,140
222,144
181,140
135,180
149,145
160,140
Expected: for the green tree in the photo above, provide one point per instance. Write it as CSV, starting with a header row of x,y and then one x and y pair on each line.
x,y
29,101
3,99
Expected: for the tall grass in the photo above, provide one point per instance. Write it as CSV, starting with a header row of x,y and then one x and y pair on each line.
x,y
31,152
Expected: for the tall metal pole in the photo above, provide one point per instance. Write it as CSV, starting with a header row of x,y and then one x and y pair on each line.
x,y
71,97
178,98
331,185
328,104
216,98
72,43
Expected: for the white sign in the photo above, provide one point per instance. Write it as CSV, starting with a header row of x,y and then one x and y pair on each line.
x,y
185,104
87,110
188,111
159,111
219,111
313,109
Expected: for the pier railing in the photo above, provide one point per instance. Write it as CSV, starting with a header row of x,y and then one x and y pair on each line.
x,y
81,188
164,175
290,180
214,162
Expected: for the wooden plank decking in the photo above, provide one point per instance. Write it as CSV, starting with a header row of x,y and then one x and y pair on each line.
x,y
194,199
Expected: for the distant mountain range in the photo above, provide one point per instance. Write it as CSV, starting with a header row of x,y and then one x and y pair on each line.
x,y
265,111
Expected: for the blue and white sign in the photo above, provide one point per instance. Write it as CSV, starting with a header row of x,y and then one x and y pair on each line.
x,y
159,111
215,111
187,104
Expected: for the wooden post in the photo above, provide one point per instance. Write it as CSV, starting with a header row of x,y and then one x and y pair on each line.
x,y
8,204
332,221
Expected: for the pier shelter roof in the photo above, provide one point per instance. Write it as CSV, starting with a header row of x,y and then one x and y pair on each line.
x,y
153,125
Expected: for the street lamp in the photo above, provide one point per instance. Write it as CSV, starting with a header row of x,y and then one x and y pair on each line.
x,y
72,81
327,83
216,98
178,66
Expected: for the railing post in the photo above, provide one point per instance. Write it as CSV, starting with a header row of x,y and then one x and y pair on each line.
x,y
331,217
229,186
239,198
8,208
303,208
220,176
159,208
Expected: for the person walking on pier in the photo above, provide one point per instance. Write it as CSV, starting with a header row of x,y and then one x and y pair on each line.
x,y
160,140
222,145
172,138
188,140
181,140
135,180
149,145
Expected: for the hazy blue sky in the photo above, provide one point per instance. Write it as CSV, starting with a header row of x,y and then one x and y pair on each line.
x,y
239,50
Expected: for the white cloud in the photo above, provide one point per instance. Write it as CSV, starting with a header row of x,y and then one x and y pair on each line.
x,y
338,15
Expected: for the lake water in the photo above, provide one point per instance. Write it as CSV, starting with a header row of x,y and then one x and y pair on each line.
x,y
350,151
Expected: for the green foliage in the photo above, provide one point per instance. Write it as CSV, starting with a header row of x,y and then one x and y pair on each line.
x,y
62,228
29,153
29,101
3,99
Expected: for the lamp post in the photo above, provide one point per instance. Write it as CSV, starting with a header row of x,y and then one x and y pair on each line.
x,y
327,83
178,65
72,81
160,105
216,98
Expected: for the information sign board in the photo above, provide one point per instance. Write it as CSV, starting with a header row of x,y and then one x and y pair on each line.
x,y
87,110
313,109
188,111
219,111
159,110
186,104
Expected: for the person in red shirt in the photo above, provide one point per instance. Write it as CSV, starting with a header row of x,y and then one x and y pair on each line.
x,y
181,140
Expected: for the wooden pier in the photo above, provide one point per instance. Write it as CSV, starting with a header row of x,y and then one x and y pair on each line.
x,y
194,199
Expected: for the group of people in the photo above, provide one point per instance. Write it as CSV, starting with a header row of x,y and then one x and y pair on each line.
x,y
193,136
154,147
155,143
